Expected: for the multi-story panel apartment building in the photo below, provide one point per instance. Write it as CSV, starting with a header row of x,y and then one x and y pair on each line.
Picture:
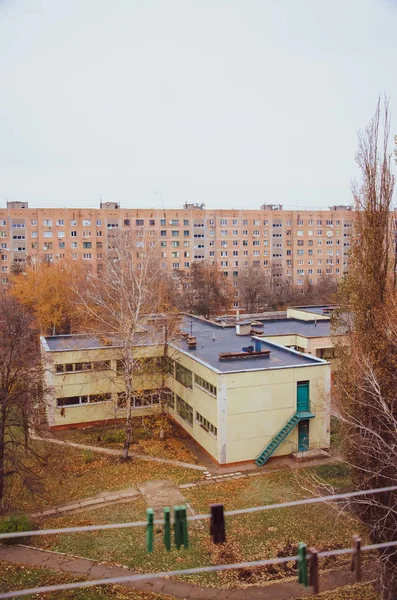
x,y
299,246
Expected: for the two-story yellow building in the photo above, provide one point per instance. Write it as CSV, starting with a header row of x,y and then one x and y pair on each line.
x,y
242,398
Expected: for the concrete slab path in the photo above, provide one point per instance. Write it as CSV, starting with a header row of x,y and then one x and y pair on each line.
x,y
159,493
103,498
91,569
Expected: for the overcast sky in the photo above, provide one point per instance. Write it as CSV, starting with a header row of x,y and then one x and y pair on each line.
x,y
228,102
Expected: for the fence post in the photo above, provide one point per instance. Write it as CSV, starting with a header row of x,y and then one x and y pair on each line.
x,y
356,558
313,570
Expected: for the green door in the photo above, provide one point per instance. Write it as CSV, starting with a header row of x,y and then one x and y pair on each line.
x,y
303,397
303,436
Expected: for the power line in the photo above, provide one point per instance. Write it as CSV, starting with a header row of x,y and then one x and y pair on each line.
x,y
161,574
239,511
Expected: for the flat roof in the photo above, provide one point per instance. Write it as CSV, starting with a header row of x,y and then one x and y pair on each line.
x,y
296,326
318,310
78,341
207,349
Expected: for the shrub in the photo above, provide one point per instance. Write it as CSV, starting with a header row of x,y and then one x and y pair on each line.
x,y
113,436
88,456
15,523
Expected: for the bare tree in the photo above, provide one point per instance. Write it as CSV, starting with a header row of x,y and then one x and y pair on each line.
x,y
254,287
20,395
205,290
130,303
365,372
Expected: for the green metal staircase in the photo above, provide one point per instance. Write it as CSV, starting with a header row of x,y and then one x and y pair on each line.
x,y
281,435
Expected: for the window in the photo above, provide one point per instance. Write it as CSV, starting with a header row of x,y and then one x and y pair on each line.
x,y
206,424
73,222
186,233
33,222
87,256
47,223
99,222
73,234
224,222
87,244
184,376
176,265
86,233
184,410
86,223
79,400
48,234
175,233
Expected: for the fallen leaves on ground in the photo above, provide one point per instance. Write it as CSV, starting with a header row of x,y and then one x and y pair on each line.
x,y
15,577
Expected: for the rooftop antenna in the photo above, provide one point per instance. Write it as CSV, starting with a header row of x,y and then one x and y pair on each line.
x,y
162,203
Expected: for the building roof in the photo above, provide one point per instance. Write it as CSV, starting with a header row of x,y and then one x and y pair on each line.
x,y
212,340
297,327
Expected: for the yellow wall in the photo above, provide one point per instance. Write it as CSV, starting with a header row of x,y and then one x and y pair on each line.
x,y
66,385
256,412
309,345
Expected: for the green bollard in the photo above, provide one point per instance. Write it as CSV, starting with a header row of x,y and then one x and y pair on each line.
x,y
184,530
167,529
150,530
302,565
177,527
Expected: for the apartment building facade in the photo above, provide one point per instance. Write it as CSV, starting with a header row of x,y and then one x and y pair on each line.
x,y
298,246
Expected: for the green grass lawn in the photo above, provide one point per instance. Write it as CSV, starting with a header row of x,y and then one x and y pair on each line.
x,y
16,577
146,438
71,474
249,537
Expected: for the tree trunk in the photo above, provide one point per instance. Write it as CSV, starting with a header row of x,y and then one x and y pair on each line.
x,y
2,459
128,432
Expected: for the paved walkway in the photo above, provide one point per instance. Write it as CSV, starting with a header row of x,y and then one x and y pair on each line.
x,y
113,452
159,493
88,503
178,589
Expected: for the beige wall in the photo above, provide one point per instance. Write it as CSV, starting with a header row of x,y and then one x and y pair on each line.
x,y
257,412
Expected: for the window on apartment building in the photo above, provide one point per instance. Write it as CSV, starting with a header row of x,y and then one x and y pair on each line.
x,y
245,242
301,242
184,410
223,221
205,424
99,222
224,244
86,223
60,222
224,252
87,244
186,233
175,265
48,234
299,252
187,265
235,243
87,256
47,223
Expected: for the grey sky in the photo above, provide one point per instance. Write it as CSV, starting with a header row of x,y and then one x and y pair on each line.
x,y
228,102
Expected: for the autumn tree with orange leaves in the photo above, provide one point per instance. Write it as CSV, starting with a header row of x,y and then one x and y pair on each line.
x,y
48,290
